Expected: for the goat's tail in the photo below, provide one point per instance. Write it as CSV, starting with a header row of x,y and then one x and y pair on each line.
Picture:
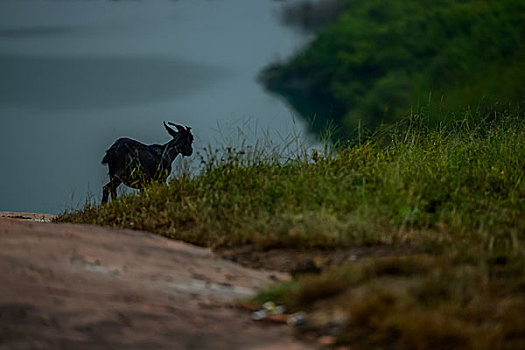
x,y
111,155
105,160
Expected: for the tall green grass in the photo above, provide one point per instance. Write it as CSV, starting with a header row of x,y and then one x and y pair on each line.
x,y
463,178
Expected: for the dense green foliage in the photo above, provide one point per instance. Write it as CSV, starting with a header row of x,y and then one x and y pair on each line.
x,y
380,59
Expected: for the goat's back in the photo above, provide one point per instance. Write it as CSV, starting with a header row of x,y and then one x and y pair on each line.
x,y
120,149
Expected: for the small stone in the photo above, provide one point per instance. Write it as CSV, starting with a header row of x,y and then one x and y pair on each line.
x,y
296,319
272,277
305,266
259,315
326,340
46,321
279,310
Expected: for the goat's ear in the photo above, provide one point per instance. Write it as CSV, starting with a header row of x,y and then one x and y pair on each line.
x,y
188,129
179,127
170,130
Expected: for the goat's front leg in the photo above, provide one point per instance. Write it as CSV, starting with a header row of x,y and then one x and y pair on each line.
x,y
114,190
115,182
110,187
105,192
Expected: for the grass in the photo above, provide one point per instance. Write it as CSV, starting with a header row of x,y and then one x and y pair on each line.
x,y
455,191
459,178
457,300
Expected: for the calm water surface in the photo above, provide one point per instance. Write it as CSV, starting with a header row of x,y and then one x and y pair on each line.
x,y
76,75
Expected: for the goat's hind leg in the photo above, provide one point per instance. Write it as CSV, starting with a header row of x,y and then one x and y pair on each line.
x,y
114,184
110,188
105,192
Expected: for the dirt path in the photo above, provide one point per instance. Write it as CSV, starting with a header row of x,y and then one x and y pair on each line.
x,y
86,287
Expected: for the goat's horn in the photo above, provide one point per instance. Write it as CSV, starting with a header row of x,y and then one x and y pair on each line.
x,y
170,130
179,127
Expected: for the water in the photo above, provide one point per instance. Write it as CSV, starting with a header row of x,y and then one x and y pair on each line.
x,y
76,75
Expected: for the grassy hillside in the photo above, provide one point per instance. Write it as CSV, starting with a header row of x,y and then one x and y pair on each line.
x,y
380,60
464,176
453,195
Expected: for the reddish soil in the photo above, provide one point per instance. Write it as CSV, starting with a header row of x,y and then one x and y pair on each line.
x,y
85,287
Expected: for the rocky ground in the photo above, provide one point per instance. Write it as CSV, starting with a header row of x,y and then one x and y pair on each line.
x,y
86,287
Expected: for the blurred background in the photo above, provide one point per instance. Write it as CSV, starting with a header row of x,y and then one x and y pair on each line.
x,y
76,75
378,61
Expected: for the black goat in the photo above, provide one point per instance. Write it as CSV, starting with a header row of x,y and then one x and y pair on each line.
x,y
136,164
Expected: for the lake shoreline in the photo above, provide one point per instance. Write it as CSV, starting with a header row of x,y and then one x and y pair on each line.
x,y
39,217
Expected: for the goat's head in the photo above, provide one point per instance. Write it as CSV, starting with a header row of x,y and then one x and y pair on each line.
x,y
182,139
